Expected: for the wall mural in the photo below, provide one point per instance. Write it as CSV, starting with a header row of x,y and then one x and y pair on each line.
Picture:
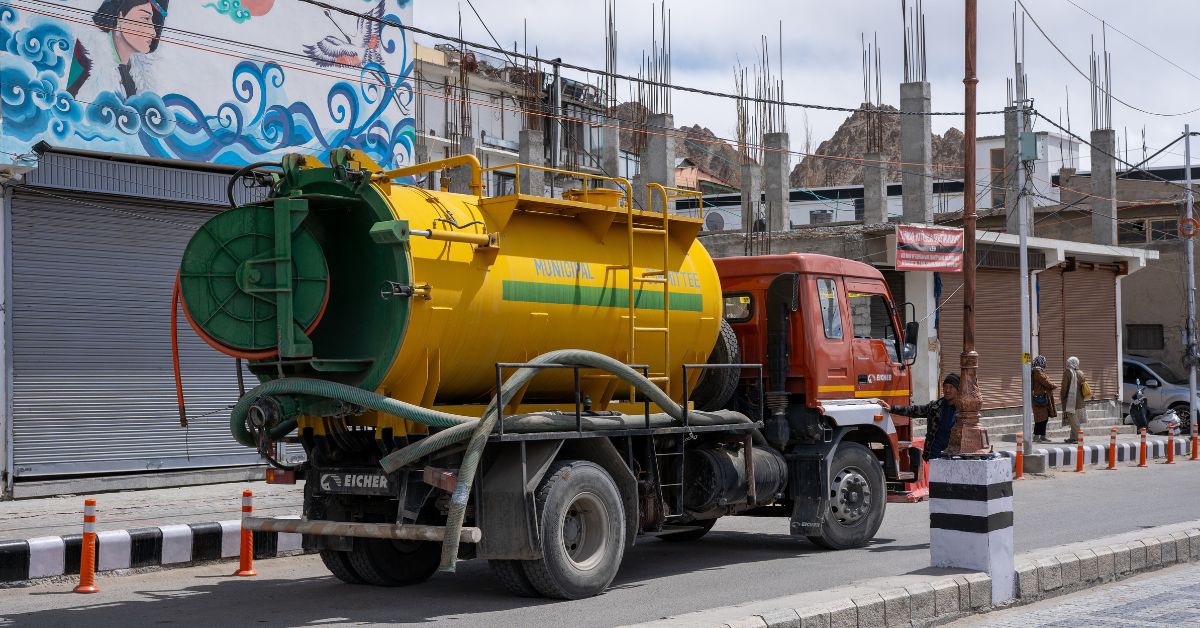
x,y
225,81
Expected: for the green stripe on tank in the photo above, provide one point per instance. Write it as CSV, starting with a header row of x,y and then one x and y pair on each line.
x,y
569,294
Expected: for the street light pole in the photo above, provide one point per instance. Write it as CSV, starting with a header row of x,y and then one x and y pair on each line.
x,y
968,436
1191,281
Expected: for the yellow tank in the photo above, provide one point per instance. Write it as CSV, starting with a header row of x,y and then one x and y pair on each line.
x,y
469,282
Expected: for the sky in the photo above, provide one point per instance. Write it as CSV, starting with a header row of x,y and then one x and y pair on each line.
x,y
822,56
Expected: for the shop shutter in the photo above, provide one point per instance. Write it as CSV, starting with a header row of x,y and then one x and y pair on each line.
x,y
997,333
1049,299
1091,327
92,384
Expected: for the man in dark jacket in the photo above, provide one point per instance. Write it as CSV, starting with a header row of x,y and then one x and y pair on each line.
x,y
939,417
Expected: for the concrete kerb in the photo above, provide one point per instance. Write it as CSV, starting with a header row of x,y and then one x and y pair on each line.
x,y
24,562
922,600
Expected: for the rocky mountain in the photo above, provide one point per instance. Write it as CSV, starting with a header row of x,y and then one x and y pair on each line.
x,y
711,155
849,143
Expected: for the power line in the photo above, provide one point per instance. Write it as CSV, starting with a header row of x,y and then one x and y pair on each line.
x,y
624,77
1103,88
1108,24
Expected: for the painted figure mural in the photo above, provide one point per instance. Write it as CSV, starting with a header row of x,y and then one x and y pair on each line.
x,y
206,81
116,57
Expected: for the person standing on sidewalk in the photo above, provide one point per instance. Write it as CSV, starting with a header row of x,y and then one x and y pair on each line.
x,y
939,417
1074,391
1043,400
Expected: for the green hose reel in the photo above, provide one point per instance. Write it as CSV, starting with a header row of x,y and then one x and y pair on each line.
x,y
254,281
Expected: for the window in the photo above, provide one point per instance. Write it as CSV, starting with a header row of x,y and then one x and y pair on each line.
x,y
872,319
1144,337
831,313
739,307
996,158
1131,232
1163,229
506,183
1135,374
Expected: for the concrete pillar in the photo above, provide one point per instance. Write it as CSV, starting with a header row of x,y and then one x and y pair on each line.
x,y
971,519
751,194
874,189
422,156
610,152
1104,187
1012,161
658,162
916,152
532,151
775,180
460,177
918,290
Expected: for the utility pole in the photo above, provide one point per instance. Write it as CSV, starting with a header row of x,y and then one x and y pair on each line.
x,y
1191,281
556,128
1023,207
968,436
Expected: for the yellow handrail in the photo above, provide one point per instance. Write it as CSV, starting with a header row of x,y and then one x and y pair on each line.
x,y
430,166
587,178
678,194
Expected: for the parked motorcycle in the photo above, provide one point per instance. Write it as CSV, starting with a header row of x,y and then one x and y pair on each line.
x,y
1139,409
1139,414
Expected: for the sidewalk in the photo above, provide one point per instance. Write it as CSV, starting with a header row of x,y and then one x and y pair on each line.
x,y
1095,450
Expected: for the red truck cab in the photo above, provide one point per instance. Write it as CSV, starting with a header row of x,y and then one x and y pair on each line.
x,y
828,332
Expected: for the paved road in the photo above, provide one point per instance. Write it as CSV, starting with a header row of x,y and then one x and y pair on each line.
x,y
743,559
1165,598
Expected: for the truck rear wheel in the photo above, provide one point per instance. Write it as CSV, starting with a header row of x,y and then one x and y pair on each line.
x,y
582,532
388,563
511,574
338,564
856,499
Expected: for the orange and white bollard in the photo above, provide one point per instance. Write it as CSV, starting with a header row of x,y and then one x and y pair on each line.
x,y
87,554
1142,450
1195,443
1020,461
1112,449
1079,453
246,557
1170,446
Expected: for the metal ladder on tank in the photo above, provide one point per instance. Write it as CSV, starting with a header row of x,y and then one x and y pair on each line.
x,y
651,277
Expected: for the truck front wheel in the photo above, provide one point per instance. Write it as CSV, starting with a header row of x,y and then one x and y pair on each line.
x,y
582,532
856,499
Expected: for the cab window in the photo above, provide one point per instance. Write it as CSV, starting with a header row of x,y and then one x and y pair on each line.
x,y
739,307
872,319
831,312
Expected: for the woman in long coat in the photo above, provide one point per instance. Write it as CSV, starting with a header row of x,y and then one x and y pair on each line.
x,y
1043,400
1073,398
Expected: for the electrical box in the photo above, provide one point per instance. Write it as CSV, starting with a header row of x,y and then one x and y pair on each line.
x,y
1029,147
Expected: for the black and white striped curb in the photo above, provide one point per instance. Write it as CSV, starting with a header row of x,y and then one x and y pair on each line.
x,y
1064,455
168,545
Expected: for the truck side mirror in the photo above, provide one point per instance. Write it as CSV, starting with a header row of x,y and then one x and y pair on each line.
x,y
911,331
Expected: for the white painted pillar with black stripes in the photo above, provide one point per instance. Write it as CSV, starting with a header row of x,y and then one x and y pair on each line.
x,y
971,519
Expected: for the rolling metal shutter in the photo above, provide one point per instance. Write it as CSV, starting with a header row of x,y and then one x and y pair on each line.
x,y
1049,299
1091,332
997,333
92,385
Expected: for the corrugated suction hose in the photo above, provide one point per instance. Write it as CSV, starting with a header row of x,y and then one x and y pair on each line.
x,y
458,428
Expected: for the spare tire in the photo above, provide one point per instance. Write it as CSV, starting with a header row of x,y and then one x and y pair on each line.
x,y
716,386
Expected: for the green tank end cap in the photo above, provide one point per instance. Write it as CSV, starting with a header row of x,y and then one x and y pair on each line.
x,y
234,279
390,232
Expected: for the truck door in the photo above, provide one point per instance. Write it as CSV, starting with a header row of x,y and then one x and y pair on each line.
x,y
828,340
878,370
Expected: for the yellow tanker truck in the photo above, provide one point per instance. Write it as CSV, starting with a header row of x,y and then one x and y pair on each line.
x,y
533,381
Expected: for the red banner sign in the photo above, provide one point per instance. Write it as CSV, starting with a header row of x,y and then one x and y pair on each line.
x,y
934,249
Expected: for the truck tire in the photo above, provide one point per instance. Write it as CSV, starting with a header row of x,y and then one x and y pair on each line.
x,y
511,574
338,564
582,531
716,386
856,499
690,535
388,563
